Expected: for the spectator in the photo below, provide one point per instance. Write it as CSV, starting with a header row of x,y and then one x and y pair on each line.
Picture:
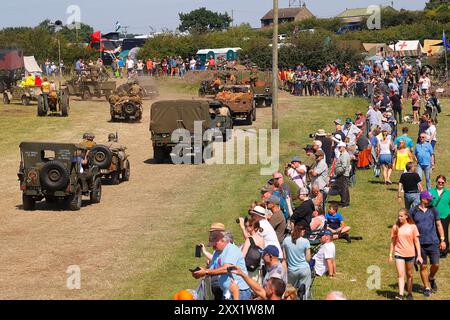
x,y
150,66
303,213
404,245
423,125
396,102
266,192
429,225
384,154
273,289
351,131
409,142
431,133
336,224
252,245
276,218
374,116
298,254
433,107
335,295
327,145
403,155
325,258
364,155
297,172
272,264
318,222
290,293
415,102
281,192
230,255
425,158
319,172
360,121
410,184
342,173
441,202
317,197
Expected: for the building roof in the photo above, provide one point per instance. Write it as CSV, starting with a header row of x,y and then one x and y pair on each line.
x,y
284,13
356,12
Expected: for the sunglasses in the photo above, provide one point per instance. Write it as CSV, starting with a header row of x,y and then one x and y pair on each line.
x,y
441,182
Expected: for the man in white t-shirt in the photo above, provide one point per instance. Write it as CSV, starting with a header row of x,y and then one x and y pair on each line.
x,y
269,235
325,258
297,172
386,66
351,131
192,63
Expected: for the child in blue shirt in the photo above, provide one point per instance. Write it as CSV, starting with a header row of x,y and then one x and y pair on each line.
x,y
336,224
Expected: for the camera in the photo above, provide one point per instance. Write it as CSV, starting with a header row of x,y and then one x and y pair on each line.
x,y
312,135
198,251
245,220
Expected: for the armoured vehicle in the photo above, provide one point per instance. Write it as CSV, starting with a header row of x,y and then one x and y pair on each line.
x,y
57,172
53,103
170,115
91,83
112,161
239,99
126,103
24,94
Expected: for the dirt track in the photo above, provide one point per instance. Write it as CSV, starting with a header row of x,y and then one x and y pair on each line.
x,y
39,246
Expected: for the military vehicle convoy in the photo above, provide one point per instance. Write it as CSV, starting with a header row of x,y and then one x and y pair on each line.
x,y
56,102
57,172
170,115
239,99
126,103
112,161
91,83
23,94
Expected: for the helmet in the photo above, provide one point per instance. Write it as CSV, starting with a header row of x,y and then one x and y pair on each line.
x,y
111,136
91,136
85,136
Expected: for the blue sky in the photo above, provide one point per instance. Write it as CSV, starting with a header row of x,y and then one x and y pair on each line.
x,y
140,15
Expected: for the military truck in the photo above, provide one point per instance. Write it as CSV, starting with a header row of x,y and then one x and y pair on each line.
x,y
24,94
126,103
57,172
239,99
170,115
54,103
86,85
262,93
112,161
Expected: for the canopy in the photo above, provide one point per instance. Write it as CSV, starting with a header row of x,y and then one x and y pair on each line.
x,y
407,48
432,47
217,51
376,48
31,65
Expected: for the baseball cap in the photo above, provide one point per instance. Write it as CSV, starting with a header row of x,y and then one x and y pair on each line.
x,y
426,195
325,232
342,144
348,120
215,236
266,188
338,121
308,147
273,199
295,159
217,227
260,211
272,250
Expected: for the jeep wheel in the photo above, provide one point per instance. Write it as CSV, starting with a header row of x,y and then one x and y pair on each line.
x,y
54,176
28,203
259,103
41,107
249,118
25,101
129,108
75,200
115,178
6,99
96,193
86,95
126,171
102,156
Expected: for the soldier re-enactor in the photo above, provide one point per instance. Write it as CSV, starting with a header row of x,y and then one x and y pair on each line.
x,y
113,144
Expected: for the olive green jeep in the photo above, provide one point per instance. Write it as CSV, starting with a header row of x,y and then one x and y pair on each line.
x,y
57,172
112,160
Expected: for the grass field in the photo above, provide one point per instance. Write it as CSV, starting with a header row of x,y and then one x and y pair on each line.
x,y
231,188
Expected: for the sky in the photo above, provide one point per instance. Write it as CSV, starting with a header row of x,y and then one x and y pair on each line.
x,y
143,16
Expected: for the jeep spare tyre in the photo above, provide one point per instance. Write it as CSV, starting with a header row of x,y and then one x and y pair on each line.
x,y
129,108
54,176
102,156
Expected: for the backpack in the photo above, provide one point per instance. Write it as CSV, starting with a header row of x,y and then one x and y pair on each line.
x,y
253,256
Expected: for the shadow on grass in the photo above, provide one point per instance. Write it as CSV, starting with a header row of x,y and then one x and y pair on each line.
x,y
417,288
59,205
376,182
387,294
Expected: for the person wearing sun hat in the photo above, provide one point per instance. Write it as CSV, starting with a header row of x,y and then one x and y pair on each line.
x,y
268,233
351,131
428,222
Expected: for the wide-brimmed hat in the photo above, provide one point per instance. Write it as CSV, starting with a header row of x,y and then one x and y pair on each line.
x,y
321,133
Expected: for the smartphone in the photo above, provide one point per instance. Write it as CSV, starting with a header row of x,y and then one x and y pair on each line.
x,y
194,270
198,251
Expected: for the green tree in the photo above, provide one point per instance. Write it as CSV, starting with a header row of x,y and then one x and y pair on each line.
x,y
203,20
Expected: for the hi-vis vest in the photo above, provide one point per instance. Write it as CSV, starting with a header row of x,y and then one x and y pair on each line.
x,y
45,87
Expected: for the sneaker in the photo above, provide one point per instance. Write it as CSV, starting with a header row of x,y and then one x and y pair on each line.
x,y
346,237
399,297
427,292
409,296
433,285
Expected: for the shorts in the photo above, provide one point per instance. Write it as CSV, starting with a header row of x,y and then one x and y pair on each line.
x,y
385,159
431,251
407,259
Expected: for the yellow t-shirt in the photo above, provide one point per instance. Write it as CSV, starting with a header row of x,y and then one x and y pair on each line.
x,y
45,87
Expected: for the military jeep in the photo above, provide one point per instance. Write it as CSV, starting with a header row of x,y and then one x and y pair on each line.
x,y
262,93
56,172
112,161
170,115
91,83
239,99
126,103
24,94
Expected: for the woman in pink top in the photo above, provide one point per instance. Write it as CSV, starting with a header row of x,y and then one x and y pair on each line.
x,y
404,245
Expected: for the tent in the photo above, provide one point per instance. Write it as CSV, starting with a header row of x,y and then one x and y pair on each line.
x,y
376,48
432,47
407,48
31,65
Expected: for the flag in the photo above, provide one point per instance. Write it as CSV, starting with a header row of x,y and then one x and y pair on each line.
x,y
118,26
96,36
445,43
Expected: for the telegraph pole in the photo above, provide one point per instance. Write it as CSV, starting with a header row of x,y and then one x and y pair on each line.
x,y
275,66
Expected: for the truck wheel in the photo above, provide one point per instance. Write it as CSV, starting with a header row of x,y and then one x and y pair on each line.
x,y
268,103
96,193
29,203
75,200
254,114
159,154
86,95
126,171
25,101
102,156
115,178
54,176
6,99
41,107
248,118
259,102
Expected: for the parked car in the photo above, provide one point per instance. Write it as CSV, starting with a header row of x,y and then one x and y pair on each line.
x,y
350,28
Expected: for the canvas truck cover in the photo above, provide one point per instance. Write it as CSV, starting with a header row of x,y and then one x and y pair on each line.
x,y
33,152
10,60
165,115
